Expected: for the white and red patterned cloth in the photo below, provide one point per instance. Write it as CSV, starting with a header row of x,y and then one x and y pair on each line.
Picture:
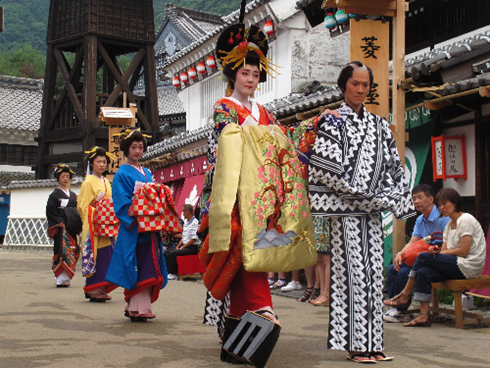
x,y
105,222
154,209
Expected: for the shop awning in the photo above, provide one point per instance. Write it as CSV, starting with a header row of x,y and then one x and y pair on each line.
x,y
190,192
182,170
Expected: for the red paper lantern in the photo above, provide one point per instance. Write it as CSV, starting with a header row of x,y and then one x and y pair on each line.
x,y
201,68
184,78
210,62
176,82
192,73
269,28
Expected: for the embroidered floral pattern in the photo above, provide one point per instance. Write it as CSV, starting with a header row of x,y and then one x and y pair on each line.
x,y
282,191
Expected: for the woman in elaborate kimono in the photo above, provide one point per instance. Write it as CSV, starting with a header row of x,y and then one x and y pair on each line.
x,y
138,263
65,247
96,250
355,174
244,67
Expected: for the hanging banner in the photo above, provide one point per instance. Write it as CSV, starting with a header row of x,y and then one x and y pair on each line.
x,y
370,44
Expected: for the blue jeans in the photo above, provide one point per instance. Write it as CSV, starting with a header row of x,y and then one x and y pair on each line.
x,y
429,268
396,280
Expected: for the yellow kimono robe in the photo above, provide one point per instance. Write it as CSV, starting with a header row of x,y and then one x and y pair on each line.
x,y
93,264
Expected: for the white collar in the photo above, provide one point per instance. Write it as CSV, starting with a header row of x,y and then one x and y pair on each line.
x,y
255,107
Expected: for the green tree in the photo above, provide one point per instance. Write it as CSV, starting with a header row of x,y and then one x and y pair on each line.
x,y
24,61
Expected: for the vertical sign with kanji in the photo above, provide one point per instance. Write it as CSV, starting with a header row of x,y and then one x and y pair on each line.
x,y
369,44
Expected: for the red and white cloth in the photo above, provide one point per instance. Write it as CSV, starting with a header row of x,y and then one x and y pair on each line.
x,y
154,209
105,222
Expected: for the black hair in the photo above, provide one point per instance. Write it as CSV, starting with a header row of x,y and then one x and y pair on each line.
x,y
425,188
450,195
347,71
100,152
251,58
58,172
127,141
188,207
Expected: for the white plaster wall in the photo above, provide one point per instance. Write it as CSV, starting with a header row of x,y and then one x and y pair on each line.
x,y
12,168
191,98
315,55
327,55
465,188
31,203
283,9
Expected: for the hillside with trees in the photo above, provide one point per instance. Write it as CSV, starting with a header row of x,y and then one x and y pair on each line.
x,y
23,41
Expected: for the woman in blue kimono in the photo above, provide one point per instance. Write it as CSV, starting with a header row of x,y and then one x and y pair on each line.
x,y
138,263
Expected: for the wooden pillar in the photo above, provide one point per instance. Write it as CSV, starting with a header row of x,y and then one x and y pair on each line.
x,y
480,165
48,95
398,106
89,92
151,92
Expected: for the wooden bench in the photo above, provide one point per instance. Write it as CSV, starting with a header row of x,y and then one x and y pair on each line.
x,y
190,266
458,286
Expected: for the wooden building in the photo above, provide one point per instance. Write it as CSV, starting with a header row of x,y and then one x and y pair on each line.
x,y
85,39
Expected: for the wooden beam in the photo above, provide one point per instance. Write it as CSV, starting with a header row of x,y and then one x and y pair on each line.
x,y
398,101
72,95
127,74
364,4
64,135
77,65
62,157
370,11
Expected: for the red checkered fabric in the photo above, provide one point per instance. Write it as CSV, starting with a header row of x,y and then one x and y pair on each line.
x,y
154,209
105,222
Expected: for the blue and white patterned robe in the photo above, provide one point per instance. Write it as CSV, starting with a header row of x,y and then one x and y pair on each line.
x,y
355,174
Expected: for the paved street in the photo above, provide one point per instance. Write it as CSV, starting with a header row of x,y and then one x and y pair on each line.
x,y
45,326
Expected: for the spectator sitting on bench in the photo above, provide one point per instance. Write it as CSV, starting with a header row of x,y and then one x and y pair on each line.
x,y
462,256
188,244
428,222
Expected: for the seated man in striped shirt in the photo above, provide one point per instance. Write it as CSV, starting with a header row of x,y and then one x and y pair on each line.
x,y
188,244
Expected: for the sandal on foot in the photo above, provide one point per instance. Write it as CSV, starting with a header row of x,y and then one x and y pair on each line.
x,y
316,293
326,303
383,358
395,302
306,296
416,323
355,358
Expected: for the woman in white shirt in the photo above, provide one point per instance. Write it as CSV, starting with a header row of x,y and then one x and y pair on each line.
x,y
462,256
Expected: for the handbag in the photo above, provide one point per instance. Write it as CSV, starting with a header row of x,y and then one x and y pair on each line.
x,y
410,255
154,209
105,222
73,221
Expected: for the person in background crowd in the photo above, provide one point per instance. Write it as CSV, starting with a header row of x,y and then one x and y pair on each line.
x,y
428,222
462,256
188,244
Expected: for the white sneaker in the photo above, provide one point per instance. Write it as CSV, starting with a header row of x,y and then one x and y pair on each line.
x,y
293,285
171,276
394,316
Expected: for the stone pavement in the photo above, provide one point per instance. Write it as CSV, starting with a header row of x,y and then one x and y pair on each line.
x,y
45,326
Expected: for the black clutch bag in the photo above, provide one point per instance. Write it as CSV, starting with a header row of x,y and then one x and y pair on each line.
x,y
253,339
73,221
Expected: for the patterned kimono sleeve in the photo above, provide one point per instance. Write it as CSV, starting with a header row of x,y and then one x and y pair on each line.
x,y
391,192
223,115
326,159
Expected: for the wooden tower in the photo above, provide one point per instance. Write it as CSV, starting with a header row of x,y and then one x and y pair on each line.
x,y
85,39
